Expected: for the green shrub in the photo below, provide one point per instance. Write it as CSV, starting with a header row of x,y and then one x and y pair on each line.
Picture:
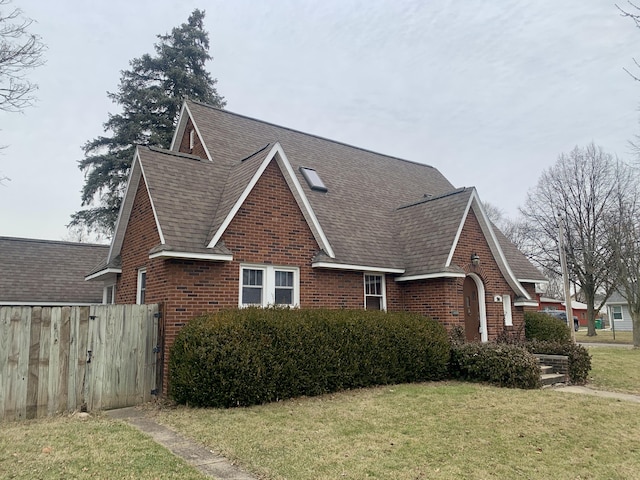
x,y
546,328
253,356
579,358
499,364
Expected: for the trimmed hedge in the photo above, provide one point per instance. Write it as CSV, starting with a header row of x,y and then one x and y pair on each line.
x,y
546,328
498,364
579,358
252,356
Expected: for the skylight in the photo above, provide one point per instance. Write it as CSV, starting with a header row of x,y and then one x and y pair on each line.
x,y
313,179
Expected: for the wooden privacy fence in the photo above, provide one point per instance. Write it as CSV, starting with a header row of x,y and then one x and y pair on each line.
x,y
57,359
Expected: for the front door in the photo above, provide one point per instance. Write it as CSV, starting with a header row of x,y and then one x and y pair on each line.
x,y
471,310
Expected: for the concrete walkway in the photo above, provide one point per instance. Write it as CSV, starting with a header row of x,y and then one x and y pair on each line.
x,y
627,397
201,458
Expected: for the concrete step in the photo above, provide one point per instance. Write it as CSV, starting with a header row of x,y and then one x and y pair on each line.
x,y
552,378
544,369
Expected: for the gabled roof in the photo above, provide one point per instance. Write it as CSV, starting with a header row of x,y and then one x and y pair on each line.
x,y
376,209
45,272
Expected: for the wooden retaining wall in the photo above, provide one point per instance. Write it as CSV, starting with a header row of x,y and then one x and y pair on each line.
x,y
61,359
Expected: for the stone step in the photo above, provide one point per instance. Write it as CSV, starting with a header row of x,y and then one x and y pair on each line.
x,y
552,378
546,369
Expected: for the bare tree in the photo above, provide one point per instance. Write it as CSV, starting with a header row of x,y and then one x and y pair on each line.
x,y
581,187
625,242
20,51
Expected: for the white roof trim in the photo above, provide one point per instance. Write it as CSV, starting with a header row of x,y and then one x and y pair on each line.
x,y
125,208
47,304
153,207
528,280
458,233
290,177
360,268
427,276
182,125
494,246
216,257
103,272
526,303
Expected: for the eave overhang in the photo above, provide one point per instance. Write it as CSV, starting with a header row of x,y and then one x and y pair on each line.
x,y
103,273
212,257
358,268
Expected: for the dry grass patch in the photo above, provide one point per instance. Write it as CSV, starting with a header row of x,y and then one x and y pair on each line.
x,y
604,336
66,447
440,431
616,369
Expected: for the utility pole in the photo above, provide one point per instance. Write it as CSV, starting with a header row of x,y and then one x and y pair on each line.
x,y
565,277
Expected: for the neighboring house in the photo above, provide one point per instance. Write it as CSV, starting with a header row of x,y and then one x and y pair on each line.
x,y
618,313
579,309
242,212
48,273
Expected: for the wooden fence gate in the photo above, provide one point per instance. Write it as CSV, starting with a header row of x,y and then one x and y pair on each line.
x,y
60,359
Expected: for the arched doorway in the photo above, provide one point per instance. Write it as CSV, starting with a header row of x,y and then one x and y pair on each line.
x,y
475,314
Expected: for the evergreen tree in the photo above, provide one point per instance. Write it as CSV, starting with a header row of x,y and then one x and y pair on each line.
x,y
150,94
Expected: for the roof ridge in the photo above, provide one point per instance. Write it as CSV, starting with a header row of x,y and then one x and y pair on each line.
x,y
255,153
57,242
436,197
311,134
171,152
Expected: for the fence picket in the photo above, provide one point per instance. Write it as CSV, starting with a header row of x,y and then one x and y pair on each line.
x,y
44,367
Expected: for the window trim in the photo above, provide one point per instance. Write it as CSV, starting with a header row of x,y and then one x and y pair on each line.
x,y
269,284
506,309
383,287
105,295
141,292
613,313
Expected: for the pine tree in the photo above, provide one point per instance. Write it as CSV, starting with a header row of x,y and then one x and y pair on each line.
x,y
150,94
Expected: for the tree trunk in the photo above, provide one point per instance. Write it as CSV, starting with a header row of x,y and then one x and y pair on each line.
x,y
591,313
635,317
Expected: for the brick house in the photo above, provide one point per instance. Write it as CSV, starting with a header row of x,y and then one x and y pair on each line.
x,y
243,212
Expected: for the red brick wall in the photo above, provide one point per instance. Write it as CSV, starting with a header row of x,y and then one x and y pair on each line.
x,y
472,241
198,147
442,299
269,228
141,235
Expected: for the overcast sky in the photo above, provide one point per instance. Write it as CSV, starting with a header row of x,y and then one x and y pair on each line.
x,y
490,93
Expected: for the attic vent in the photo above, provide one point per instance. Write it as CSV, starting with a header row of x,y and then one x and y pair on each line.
x,y
313,179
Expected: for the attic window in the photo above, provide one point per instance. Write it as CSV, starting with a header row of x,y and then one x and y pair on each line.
x,y
192,138
313,179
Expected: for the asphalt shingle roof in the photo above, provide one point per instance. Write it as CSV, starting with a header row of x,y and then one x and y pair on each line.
x,y
48,271
379,211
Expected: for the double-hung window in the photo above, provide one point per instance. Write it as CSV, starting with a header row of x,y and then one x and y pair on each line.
x,y
616,311
264,285
374,292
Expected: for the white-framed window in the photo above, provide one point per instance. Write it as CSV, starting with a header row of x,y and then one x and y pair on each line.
x,y
142,286
109,294
616,312
192,138
264,285
375,297
506,308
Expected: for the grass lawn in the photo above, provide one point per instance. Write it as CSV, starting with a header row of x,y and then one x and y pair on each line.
x,y
64,447
439,431
616,369
604,336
